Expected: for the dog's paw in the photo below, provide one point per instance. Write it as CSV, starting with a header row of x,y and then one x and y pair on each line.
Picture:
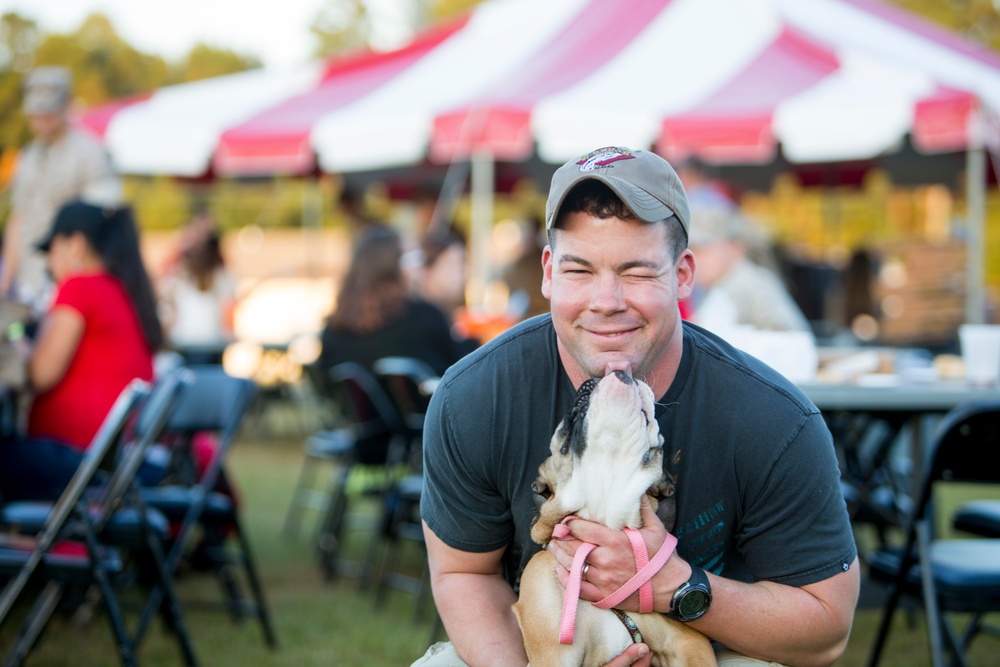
x,y
664,488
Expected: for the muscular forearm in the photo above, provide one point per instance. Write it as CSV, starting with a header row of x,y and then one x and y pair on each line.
x,y
476,610
806,626
776,622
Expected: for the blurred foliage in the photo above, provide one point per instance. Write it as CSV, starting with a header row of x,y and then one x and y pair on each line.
x,y
978,20
342,25
204,61
445,9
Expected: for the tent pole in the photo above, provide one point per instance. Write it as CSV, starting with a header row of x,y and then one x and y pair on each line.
x,y
312,225
975,196
482,224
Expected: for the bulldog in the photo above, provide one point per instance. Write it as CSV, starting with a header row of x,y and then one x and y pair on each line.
x,y
605,454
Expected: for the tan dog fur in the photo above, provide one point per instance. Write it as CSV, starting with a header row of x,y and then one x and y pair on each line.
x,y
604,482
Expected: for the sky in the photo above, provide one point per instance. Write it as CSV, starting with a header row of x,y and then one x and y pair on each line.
x,y
276,32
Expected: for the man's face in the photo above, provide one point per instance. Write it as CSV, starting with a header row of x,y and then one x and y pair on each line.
x,y
48,126
614,287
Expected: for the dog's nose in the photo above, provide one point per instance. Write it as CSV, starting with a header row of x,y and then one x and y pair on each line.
x,y
624,377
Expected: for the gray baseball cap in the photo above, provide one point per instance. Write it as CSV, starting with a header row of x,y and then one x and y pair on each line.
x,y
47,90
646,182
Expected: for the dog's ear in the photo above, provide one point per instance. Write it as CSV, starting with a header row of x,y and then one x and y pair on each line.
x,y
541,491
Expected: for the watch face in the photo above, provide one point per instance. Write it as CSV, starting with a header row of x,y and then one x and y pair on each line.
x,y
693,604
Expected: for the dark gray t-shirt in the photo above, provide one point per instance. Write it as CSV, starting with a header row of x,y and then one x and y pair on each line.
x,y
758,491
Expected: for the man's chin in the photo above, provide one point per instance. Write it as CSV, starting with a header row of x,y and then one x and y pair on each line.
x,y
602,363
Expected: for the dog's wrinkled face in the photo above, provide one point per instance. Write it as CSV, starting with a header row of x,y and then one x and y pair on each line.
x,y
604,455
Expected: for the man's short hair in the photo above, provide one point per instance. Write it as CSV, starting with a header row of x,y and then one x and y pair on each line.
x,y
596,199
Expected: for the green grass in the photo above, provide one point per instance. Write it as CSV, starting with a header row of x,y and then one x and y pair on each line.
x,y
320,622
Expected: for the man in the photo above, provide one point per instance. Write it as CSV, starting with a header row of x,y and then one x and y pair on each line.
x,y
758,502
734,289
59,165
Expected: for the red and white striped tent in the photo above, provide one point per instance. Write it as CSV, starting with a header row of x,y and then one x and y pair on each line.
x,y
728,80
731,81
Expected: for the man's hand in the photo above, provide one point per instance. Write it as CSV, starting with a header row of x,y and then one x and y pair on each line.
x,y
612,563
636,654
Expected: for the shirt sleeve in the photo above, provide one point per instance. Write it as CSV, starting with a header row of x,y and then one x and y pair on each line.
x,y
73,294
460,503
795,529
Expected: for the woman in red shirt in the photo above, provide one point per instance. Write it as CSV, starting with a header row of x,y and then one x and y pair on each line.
x,y
100,333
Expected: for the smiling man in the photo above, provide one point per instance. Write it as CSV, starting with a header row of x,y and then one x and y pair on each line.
x,y
766,564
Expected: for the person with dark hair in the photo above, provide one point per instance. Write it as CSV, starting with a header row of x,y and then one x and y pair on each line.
x,y
376,316
765,563
100,332
443,274
198,295
524,274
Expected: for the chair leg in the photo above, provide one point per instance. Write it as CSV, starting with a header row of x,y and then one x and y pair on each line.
x,y
168,602
935,623
293,517
328,540
437,629
955,643
303,487
895,593
262,613
39,615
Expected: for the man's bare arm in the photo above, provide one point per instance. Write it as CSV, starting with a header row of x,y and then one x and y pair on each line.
x,y
797,626
474,602
807,626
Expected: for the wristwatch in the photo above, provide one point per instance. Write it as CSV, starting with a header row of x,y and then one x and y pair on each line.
x,y
692,598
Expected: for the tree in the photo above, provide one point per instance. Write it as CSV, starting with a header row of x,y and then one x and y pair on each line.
x,y
978,20
104,66
204,61
342,25
445,9
18,40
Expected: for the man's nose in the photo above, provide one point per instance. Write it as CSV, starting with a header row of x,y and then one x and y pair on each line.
x,y
608,295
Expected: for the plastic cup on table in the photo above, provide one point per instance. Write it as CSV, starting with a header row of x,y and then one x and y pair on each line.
x,y
980,345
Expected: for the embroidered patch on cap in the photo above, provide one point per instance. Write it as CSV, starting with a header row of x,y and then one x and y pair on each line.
x,y
603,157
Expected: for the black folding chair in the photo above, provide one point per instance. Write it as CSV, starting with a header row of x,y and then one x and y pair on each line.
x,y
408,382
979,517
379,447
960,576
331,445
215,403
108,520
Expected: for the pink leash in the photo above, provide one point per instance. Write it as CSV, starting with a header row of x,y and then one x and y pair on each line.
x,y
640,581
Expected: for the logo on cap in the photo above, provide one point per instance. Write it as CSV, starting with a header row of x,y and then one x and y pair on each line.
x,y
603,157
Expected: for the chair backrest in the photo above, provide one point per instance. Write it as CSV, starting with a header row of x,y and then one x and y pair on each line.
x,y
212,401
406,378
101,454
963,449
149,423
374,418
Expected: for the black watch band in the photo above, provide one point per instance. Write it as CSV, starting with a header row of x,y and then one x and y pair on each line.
x,y
692,599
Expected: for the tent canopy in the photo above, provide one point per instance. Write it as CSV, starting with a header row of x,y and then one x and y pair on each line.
x,y
731,81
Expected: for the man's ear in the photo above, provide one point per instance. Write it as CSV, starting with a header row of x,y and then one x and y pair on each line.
x,y
684,269
547,272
